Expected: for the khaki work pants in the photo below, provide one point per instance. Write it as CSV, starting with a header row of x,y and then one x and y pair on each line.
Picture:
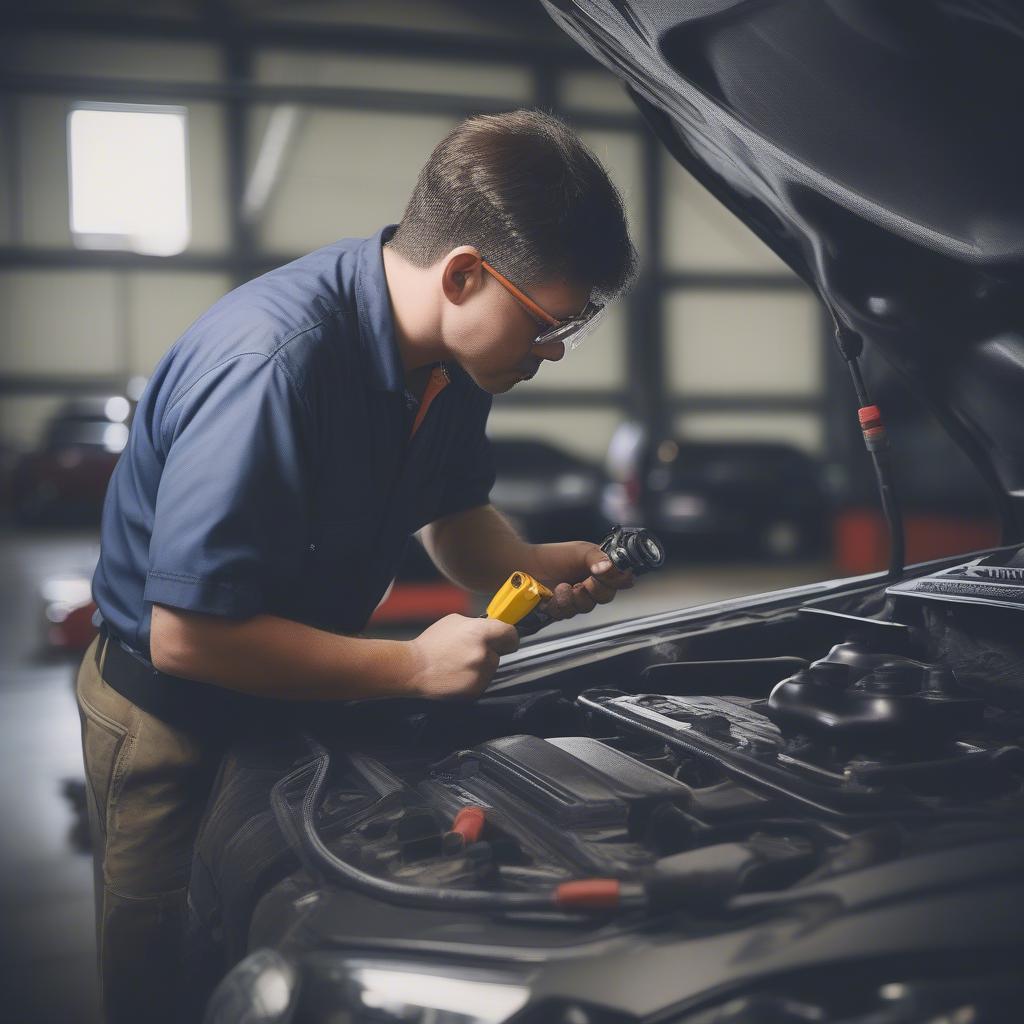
x,y
147,784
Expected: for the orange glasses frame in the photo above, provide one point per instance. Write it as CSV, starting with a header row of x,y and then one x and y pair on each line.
x,y
538,312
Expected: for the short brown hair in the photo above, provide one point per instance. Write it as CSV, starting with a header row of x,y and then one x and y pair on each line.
x,y
523,189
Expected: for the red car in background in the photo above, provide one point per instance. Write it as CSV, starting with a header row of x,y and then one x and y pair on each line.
x,y
64,482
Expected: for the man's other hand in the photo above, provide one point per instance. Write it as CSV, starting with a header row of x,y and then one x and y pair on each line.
x,y
458,656
580,575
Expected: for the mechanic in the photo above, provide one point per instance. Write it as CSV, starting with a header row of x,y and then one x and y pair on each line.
x,y
285,449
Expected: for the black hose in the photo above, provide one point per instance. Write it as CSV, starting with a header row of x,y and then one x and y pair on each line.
x,y
859,387
882,463
850,347
893,513
314,853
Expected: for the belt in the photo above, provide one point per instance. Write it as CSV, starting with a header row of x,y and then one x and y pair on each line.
x,y
186,704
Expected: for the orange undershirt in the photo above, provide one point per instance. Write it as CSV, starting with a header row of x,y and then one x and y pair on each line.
x,y
437,382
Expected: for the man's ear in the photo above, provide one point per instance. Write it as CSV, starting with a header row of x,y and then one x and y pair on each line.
x,y
461,274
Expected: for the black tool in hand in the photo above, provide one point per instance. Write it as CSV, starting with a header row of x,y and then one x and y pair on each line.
x,y
634,548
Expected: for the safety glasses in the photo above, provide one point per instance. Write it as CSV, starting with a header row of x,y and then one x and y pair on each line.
x,y
570,332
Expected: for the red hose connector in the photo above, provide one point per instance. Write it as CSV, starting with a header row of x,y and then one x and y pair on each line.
x,y
872,427
589,892
469,823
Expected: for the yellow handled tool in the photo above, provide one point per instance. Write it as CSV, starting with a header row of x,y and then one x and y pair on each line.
x,y
629,549
518,596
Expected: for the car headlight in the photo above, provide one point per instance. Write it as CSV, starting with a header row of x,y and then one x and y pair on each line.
x,y
363,991
261,989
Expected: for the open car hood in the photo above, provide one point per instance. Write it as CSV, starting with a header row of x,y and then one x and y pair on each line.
x,y
876,148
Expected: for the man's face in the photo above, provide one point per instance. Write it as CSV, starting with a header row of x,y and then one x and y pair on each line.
x,y
491,334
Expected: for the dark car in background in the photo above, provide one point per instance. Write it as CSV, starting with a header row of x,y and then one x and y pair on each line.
x,y
719,499
547,492
63,483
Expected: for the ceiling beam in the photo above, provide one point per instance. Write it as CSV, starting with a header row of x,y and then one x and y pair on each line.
x,y
289,35
132,90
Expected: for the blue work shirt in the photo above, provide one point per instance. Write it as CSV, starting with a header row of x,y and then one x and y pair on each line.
x,y
269,468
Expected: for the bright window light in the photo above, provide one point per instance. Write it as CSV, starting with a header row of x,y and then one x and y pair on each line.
x,y
128,171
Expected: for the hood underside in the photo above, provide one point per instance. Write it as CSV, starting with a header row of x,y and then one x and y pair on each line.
x,y
876,148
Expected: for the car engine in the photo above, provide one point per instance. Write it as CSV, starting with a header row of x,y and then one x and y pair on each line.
x,y
807,756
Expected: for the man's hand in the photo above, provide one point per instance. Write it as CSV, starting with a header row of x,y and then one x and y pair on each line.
x,y
580,576
457,656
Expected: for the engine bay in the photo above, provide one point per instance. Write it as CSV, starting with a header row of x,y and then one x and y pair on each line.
x,y
855,758
836,741
845,770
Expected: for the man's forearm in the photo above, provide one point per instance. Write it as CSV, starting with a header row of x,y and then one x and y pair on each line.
x,y
268,656
478,548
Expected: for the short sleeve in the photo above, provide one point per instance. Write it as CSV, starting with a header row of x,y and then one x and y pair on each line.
x,y
231,523
470,476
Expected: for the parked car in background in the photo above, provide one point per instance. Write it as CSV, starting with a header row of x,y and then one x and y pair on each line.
x,y
719,498
547,493
64,482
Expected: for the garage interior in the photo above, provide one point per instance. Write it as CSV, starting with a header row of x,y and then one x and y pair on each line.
x,y
296,124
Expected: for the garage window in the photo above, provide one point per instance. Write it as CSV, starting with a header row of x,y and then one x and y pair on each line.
x,y
128,175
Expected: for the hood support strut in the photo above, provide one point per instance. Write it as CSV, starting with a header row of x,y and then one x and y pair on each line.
x,y
876,441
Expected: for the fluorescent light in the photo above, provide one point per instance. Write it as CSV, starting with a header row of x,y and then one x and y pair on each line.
x,y
128,173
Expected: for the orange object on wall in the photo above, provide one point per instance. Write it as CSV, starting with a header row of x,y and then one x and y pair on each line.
x,y
862,538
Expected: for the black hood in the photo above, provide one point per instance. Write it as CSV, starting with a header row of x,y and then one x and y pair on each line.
x,y
878,147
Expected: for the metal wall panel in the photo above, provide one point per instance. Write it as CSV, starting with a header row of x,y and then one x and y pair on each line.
x,y
60,321
749,342
802,429
702,235
595,91
160,307
348,174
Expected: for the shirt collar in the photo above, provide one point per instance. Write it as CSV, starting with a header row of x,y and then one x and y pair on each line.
x,y
376,319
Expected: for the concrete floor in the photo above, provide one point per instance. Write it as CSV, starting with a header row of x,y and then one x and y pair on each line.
x,y
46,909
47,973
